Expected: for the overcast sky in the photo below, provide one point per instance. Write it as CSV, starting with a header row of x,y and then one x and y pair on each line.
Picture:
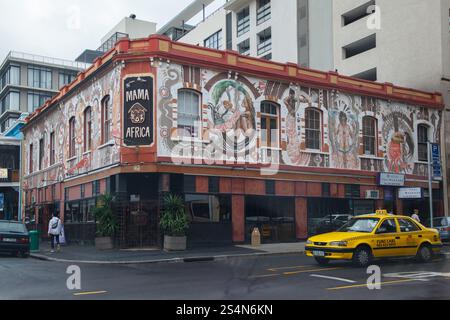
x,y
63,29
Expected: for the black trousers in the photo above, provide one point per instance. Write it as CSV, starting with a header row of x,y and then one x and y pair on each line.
x,y
53,238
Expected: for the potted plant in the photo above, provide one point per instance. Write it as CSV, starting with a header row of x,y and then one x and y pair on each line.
x,y
106,223
174,223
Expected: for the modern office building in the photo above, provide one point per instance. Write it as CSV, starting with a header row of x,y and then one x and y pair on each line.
x,y
406,42
28,80
296,31
246,142
128,27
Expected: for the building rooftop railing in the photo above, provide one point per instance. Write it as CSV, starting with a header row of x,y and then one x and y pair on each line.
x,y
47,60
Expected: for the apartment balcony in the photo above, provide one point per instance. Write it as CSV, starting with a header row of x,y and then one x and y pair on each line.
x,y
26,57
264,47
264,13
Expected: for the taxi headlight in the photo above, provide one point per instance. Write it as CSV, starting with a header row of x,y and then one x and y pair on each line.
x,y
339,244
309,242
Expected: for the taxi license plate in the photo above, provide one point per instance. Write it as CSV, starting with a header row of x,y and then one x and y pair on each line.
x,y
319,253
9,240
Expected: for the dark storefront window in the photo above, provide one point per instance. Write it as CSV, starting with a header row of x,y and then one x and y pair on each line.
x,y
210,219
214,186
189,184
326,189
327,214
352,191
208,209
273,216
270,187
80,211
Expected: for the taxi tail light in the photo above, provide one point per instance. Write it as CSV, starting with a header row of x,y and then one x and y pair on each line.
x,y
447,229
23,240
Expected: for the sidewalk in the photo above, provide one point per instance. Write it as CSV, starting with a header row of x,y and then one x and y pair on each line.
x,y
90,255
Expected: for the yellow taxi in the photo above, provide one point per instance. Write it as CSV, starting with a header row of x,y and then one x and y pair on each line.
x,y
373,236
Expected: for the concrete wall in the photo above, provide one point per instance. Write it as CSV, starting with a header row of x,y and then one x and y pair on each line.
x,y
207,28
321,55
133,27
405,29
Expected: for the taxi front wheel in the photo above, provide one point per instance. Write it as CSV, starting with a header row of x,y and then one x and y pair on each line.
x,y
424,254
362,257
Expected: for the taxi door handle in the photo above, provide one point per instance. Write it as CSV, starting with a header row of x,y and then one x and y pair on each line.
x,y
397,238
420,236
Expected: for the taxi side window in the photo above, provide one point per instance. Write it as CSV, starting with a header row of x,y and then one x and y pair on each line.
x,y
388,226
407,226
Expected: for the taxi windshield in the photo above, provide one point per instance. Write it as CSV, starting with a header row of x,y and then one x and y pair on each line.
x,y
365,225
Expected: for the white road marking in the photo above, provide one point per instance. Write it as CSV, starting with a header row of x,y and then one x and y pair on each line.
x,y
333,278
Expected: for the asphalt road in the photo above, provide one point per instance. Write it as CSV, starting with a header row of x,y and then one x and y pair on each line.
x,y
290,277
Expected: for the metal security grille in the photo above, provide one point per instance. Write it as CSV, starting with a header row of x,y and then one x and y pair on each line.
x,y
138,224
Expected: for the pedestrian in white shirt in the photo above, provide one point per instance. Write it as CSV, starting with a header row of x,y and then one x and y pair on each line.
x,y
54,231
415,216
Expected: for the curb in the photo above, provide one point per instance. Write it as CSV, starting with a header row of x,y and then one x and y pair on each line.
x,y
160,261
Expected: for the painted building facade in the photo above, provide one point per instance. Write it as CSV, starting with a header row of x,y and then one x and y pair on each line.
x,y
247,143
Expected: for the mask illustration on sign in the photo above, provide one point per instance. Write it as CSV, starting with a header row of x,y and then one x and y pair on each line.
x,y
137,113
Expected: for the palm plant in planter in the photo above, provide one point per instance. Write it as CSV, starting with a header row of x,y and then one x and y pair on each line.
x,y
174,223
106,223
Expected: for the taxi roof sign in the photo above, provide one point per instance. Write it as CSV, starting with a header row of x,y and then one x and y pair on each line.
x,y
382,212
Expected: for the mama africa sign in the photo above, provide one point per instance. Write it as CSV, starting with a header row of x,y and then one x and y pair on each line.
x,y
138,111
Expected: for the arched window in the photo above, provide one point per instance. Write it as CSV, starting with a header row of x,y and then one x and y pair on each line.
x,y
87,129
106,120
370,136
269,124
72,137
188,112
422,140
313,119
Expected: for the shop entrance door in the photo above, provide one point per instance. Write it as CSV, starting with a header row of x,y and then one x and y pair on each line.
x,y
141,224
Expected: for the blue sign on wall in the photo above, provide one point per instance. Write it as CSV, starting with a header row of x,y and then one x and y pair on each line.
x,y
436,161
2,201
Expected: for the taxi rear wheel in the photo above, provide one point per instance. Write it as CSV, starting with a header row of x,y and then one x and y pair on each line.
x,y
362,257
322,261
424,254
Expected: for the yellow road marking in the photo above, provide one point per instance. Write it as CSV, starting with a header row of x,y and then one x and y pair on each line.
x,y
374,284
311,270
286,268
89,293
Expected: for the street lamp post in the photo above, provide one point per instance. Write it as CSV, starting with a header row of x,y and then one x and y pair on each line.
x,y
430,183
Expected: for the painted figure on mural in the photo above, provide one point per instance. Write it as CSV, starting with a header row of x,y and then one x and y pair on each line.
x,y
397,150
345,139
232,109
292,104
344,130
400,146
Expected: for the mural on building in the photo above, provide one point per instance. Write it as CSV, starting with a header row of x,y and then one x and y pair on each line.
x,y
231,104
344,131
398,132
57,122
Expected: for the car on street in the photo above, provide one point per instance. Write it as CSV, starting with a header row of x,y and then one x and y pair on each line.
x,y
373,236
331,223
442,224
14,238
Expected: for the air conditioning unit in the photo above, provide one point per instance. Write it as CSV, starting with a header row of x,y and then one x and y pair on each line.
x,y
373,194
